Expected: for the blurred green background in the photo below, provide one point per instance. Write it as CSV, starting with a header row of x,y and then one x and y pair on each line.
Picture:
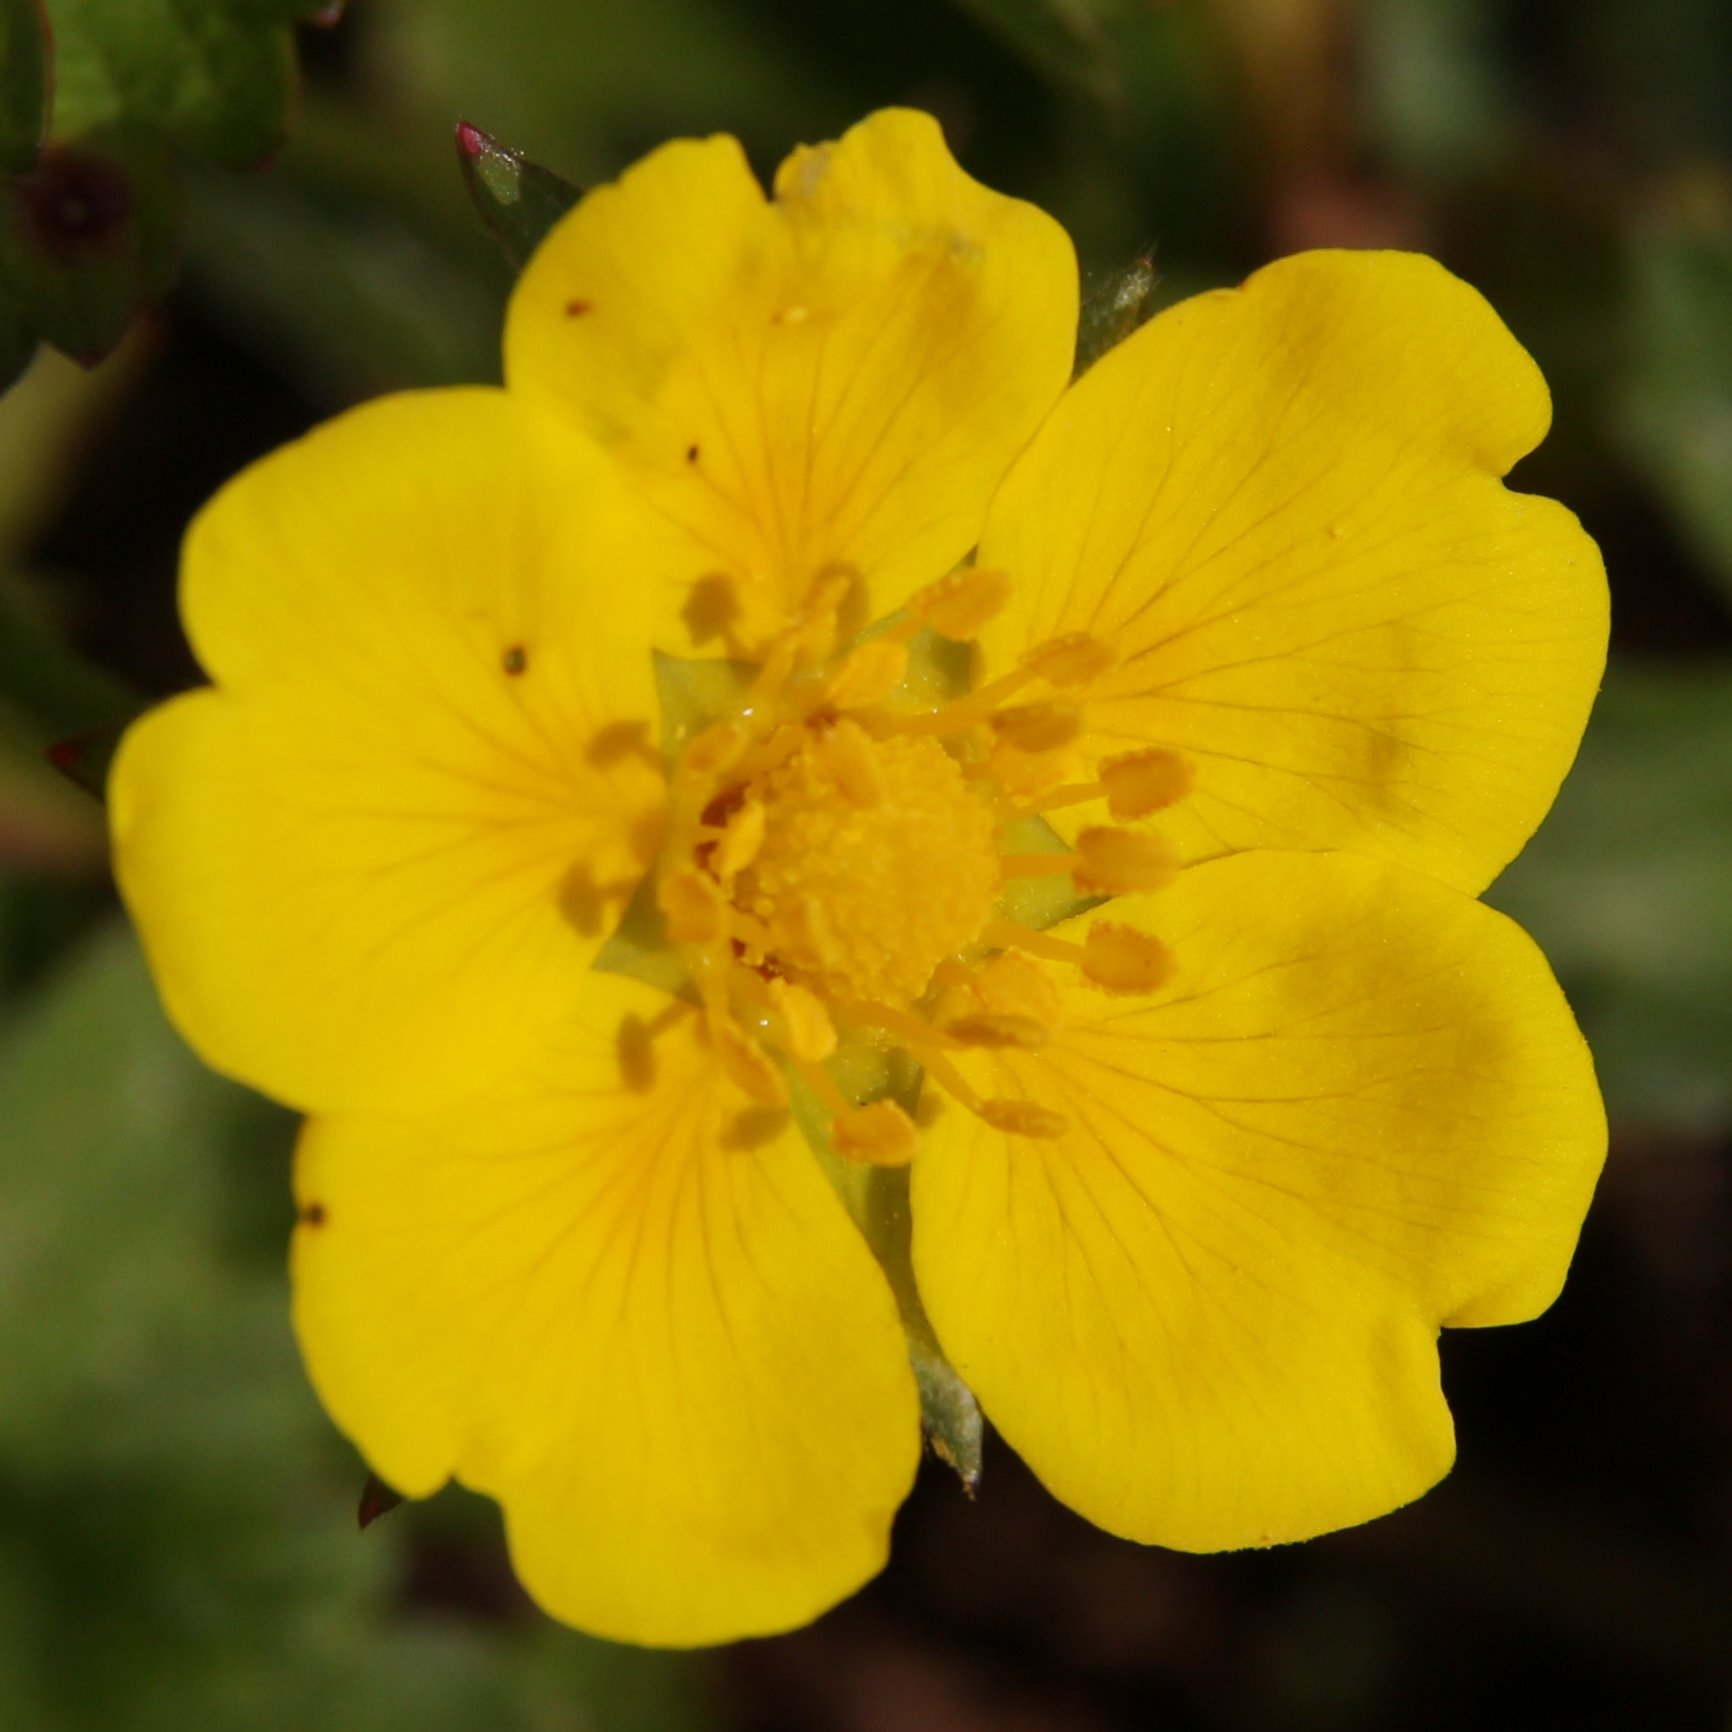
x,y
178,1545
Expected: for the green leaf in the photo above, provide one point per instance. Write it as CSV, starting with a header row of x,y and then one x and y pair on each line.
x,y
86,236
213,77
518,199
1626,889
89,227
1674,410
23,83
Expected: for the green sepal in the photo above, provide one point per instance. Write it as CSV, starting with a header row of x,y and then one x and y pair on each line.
x,y
867,1068
638,947
692,694
949,1414
1114,308
376,1499
86,759
519,200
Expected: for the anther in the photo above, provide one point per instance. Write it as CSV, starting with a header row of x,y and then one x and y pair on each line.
x,y
806,1024
881,1135
1012,934
1119,958
693,906
998,1029
1035,865
958,606
1036,728
846,754
1112,862
869,672
1011,982
1028,775
741,838
712,750
745,1063
1024,1119
815,636
1070,661
1143,782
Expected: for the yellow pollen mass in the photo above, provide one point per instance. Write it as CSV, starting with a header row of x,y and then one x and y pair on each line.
x,y
870,898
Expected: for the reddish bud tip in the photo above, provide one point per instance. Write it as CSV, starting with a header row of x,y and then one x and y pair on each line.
x,y
377,1499
471,140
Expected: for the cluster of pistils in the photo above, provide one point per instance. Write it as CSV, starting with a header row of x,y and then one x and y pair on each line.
x,y
836,860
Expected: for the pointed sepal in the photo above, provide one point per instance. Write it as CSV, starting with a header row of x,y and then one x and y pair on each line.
x,y
519,200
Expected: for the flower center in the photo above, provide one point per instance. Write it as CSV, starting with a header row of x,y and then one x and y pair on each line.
x,y
841,853
877,861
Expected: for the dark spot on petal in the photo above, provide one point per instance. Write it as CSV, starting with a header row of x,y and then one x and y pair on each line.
x,y
577,308
515,659
691,454
313,1215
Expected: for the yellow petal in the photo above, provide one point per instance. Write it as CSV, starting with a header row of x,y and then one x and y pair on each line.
x,y
624,1302
837,378
372,865
1281,505
1206,1314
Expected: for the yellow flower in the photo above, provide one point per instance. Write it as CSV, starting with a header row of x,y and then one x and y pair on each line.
x,y
1197,1173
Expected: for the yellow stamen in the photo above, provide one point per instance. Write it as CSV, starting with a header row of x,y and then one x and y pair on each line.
x,y
1117,862
693,906
870,672
1035,865
1014,984
1024,1119
1037,728
1026,774
881,1135
741,838
1133,786
713,750
806,1024
998,1029
957,606
1139,783
746,1064
1070,661
847,753
1011,934
1119,958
